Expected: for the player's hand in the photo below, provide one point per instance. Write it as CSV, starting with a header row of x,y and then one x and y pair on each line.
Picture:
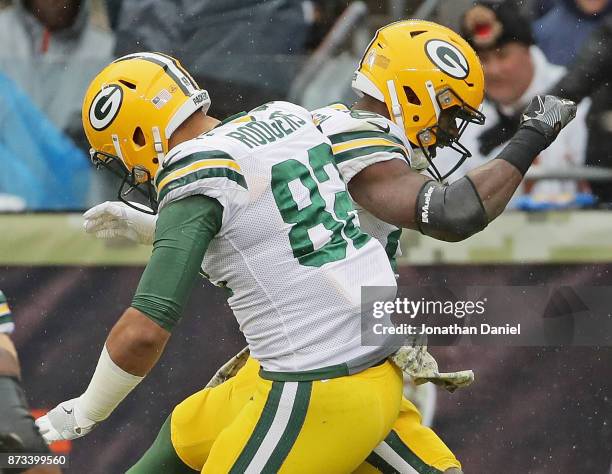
x,y
548,115
420,365
65,421
111,220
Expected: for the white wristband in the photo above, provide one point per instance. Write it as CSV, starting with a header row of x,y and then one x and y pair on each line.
x,y
109,385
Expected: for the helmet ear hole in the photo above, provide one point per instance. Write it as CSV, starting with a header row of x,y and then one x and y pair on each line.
x,y
411,96
139,137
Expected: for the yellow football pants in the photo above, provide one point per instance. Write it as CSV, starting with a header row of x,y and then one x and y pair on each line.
x,y
250,424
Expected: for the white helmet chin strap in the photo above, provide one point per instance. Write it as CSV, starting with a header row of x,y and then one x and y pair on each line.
x,y
159,146
396,108
117,147
431,91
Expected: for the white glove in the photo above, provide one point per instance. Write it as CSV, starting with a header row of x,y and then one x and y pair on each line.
x,y
65,421
111,220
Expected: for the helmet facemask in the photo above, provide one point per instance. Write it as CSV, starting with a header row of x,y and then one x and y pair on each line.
x,y
139,180
453,117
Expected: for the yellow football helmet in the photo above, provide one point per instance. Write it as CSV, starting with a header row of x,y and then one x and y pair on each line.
x,y
130,111
431,81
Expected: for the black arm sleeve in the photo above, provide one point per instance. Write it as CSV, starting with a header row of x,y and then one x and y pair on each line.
x,y
523,148
452,212
591,68
182,235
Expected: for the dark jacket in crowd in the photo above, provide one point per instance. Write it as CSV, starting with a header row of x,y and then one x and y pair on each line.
x,y
244,52
561,32
589,76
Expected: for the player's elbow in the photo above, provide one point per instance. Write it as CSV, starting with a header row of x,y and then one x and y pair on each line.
x,y
458,237
139,333
455,232
450,213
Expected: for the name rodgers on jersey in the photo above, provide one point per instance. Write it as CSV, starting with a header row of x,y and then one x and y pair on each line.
x,y
263,132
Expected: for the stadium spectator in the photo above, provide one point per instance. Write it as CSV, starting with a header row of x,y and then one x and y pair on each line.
x,y
52,50
515,70
251,46
539,8
40,165
563,29
589,76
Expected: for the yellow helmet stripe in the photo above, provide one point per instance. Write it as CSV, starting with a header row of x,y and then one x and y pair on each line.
x,y
364,142
198,165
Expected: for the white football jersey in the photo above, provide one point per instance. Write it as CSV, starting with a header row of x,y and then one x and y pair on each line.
x,y
289,250
360,139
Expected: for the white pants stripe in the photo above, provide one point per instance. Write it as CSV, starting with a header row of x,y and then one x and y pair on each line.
x,y
393,459
281,419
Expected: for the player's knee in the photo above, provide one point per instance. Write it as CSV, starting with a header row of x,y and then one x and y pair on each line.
x,y
19,434
453,470
9,365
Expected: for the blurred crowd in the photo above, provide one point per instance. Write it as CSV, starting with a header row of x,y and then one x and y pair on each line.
x,y
247,52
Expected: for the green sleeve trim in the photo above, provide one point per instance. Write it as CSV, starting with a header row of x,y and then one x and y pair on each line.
x,y
367,150
200,175
191,159
348,136
184,230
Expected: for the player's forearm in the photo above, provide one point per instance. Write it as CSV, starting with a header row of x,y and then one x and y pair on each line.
x,y
458,211
495,182
132,349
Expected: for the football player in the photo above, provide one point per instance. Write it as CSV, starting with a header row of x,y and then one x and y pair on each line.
x,y
257,204
421,85
18,434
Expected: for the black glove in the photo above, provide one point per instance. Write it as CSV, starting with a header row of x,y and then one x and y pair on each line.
x,y
547,115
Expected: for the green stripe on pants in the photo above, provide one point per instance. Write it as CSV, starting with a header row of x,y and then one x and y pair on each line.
x,y
294,426
394,441
379,463
261,429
